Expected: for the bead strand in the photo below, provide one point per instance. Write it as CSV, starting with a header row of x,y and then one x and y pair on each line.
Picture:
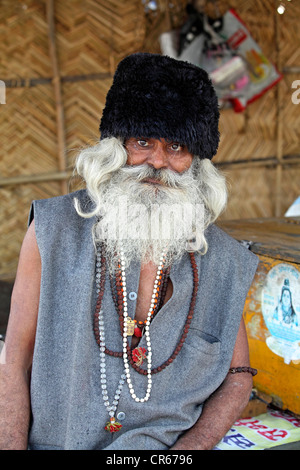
x,y
119,303
186,327
100,283
126,349
158,295
249,370
112,425
111,408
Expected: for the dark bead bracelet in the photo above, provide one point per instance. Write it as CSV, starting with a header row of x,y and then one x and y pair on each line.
x,y
234,370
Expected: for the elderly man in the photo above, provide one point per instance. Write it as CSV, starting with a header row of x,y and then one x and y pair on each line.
x,y
127,307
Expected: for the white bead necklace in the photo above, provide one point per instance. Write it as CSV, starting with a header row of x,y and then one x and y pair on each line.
x,y
147,333
113,425
111,408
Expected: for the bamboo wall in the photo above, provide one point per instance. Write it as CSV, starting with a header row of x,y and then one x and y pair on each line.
x,y
58,58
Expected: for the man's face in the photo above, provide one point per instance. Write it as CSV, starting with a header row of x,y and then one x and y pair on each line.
x,y
159,154
151,204
286,298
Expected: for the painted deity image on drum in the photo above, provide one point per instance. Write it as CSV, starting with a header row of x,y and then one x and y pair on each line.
x,y
281,311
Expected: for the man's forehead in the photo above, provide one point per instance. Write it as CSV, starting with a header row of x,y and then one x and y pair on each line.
x,y
159,139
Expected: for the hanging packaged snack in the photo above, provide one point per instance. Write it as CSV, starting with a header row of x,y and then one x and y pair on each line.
x,y
262,74
227,69
225,48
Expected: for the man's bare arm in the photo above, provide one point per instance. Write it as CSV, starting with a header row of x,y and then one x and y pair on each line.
x,y
224,407
16,355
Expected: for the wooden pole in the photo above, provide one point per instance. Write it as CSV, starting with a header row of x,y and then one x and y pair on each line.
x,y
61,141
37,178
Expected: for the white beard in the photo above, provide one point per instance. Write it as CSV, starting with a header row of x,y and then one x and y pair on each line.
x,y
147,219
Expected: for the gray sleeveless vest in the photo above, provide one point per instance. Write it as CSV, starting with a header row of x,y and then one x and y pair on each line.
x,y
67,405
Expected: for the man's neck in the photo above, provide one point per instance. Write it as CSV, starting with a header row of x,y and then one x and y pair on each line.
x,y
145,291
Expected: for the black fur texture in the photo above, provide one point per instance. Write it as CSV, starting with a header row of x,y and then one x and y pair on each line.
x,y
155,96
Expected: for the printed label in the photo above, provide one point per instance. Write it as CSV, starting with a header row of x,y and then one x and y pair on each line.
x,y
281,311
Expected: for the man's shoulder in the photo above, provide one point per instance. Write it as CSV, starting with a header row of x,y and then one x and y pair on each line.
x,y
59,207
63,202
224,245
219,237
65,199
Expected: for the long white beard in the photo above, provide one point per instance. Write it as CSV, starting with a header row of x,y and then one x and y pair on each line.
x,y
147,219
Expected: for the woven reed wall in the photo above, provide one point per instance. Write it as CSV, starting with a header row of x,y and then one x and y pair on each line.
x,y
58,58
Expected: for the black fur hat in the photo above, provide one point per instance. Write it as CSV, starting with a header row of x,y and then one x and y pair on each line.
x,y
155,96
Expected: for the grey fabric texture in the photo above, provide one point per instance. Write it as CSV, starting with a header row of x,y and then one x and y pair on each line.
x,y
67,406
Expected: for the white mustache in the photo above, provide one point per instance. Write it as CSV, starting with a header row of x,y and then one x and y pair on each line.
x,y
167,177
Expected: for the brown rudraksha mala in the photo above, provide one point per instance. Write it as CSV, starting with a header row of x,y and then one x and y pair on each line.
x,y
118,301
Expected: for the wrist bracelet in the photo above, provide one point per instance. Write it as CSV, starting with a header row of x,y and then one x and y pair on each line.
x,y
234,370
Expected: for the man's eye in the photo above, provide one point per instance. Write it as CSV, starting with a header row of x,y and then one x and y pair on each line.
x,y
176,147
142,143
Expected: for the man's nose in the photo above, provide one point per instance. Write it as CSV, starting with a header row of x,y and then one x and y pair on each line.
x,y
158,157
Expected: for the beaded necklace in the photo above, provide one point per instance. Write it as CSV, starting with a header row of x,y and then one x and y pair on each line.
x,y
129,357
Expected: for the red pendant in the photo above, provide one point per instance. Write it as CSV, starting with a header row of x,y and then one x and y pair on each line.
x,y
113,425
138,355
